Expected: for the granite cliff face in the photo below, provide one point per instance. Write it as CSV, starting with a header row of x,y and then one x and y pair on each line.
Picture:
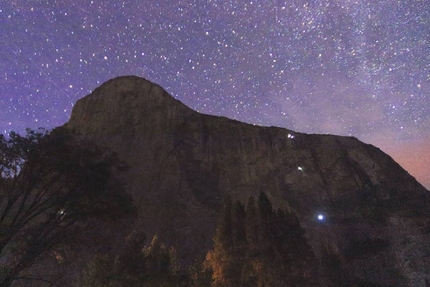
x,y
183,163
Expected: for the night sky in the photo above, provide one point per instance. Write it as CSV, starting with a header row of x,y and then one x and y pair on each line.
x,y
359,68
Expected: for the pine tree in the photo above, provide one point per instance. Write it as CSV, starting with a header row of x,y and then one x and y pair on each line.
x,y
161,265
252,225
303,260
136,265
219,260
253,237
200,274
267,275
259,247
240,244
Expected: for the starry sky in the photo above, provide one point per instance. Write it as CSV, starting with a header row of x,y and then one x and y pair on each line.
x,y
345,67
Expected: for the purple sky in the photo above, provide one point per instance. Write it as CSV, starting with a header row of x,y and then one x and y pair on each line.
x,y
359,68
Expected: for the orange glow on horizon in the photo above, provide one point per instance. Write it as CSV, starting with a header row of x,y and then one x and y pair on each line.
x,y
415,158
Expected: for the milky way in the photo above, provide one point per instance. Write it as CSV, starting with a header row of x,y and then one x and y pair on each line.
x,y
359,68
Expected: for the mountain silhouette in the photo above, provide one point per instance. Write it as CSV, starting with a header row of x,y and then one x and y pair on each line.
x,y
353,200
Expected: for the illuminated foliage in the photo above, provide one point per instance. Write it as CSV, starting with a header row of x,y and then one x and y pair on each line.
x,y
260,247
223,263
200,274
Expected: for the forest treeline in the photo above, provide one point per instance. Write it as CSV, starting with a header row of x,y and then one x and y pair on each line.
x,y
253,245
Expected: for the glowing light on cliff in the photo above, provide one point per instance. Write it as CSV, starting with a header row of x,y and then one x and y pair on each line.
x,y
320,217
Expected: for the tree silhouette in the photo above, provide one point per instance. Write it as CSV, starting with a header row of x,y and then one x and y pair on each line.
x,y
52,188
136,265
220,258
257,246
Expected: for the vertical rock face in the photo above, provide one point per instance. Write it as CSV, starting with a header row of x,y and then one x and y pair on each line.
x,y
183,163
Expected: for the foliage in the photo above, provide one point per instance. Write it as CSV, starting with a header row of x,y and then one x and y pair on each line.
x,y
199,274
260,247
136,265
52,187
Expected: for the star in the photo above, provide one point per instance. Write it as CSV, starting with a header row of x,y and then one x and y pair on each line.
x,y
353,68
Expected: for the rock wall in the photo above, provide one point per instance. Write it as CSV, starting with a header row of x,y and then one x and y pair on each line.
x,y
183,163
